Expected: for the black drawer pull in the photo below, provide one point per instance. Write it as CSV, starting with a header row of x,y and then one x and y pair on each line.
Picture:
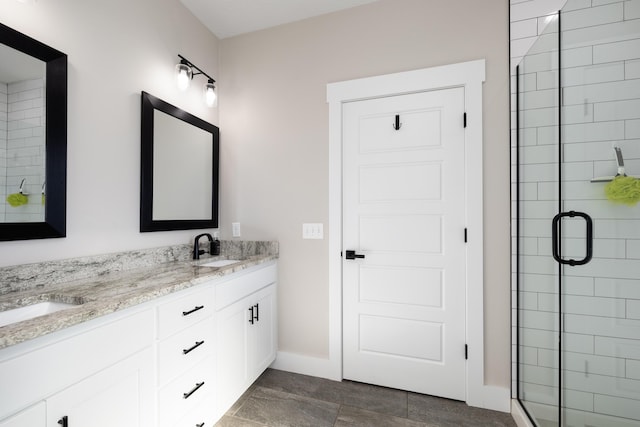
x,y
200,425
64,421
193,390
197,344
196,308
251,315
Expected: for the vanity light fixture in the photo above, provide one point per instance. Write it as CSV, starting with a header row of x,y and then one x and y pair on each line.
x,y
184,75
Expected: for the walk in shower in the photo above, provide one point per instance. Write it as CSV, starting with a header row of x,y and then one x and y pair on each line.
x,y
577,251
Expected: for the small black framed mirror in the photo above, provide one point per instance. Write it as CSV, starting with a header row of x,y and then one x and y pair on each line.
x,y
49,187
179,169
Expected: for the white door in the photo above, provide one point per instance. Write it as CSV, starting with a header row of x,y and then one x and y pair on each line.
x,y
404,211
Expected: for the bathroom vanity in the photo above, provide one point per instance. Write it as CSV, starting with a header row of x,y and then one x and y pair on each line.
x,y
180,356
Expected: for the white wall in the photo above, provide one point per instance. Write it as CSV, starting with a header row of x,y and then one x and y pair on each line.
x,y
116,49
274,128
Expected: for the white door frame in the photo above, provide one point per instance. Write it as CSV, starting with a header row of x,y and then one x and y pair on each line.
x,y
470,76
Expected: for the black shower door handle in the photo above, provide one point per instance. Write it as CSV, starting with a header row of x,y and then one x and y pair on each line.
x,y
555,241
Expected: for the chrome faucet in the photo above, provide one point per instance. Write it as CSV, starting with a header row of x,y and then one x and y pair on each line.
x,y
196,245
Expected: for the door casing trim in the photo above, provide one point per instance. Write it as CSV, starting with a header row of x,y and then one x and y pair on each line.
x,y
469,75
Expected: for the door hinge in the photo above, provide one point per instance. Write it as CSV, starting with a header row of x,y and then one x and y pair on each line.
x,y
466,352
465,234
464,119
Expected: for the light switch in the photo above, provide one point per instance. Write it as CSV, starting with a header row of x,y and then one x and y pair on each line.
x,y
312,231
235,229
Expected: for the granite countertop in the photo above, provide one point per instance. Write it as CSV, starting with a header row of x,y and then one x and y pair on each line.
x,y
109,292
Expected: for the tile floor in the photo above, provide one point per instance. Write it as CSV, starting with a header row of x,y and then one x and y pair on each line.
x,y
284,399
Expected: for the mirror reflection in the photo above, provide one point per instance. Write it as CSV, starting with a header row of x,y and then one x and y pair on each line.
x,y
181,192
22,136
33,138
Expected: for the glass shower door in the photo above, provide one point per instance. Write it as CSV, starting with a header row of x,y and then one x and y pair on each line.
x,y
600,137
538,194
578,240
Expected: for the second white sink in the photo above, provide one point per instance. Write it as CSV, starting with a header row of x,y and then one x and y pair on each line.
x,y
30,311
220,263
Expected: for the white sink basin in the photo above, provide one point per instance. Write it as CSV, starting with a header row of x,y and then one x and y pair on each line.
x,y
220,263
30,311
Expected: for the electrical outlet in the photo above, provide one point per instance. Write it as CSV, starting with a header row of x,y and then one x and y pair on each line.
x,y
312,231
235,229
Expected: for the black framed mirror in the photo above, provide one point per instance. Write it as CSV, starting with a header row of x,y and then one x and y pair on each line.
x,y
50,192
179,169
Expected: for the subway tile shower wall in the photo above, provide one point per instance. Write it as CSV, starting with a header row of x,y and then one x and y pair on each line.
x,y
601,105
24,149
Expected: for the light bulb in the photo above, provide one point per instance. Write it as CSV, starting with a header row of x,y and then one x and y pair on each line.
x,y
183,76
210,96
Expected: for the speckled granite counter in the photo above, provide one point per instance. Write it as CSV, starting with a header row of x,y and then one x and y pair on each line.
x,y
107,283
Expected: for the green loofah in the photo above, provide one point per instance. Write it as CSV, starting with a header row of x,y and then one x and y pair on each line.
x,y
17,199
623,189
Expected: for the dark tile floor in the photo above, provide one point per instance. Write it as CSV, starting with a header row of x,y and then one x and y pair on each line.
x,y
284,399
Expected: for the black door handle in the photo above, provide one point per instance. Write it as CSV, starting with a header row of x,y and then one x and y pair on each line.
x,y
556,243
64,421
353,255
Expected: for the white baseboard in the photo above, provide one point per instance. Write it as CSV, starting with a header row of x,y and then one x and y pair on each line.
x,y
494,398
306,365
521,419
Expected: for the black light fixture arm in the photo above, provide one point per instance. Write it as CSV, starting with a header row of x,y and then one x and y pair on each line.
x,y
185,61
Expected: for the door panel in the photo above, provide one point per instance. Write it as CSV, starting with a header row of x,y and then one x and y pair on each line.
x,y
403,190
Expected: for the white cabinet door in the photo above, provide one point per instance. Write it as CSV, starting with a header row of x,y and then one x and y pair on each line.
x,y
34,416
232,351
262,336
246,343
119,395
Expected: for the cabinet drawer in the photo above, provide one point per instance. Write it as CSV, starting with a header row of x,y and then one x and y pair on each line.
x,y
183,350
235,289
184,311
203,415
186,392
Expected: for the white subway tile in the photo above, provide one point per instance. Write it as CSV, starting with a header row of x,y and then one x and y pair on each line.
x,y
539,172
633,249
577,56
548,358
540,394
526,10
578,343
633,369
601,35
618,51
590,74
618,288
578,285
632,69
631,10
539,338
539,375
548,136
632,129
524,28
593,16
579,400
589,132
594,306
604,326
633,309
543,283
617,110
618,406
601,92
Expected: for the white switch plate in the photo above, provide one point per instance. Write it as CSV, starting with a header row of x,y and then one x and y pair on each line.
x,y
312,231
235,229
